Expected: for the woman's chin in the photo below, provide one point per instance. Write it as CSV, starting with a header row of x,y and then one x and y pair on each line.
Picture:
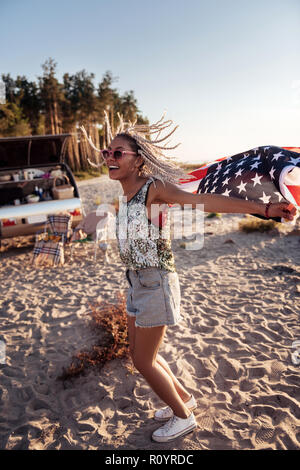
x,y
113,174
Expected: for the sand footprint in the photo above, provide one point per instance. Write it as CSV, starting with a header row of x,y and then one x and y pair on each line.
x,y
208,415
264,435
276,371
205,422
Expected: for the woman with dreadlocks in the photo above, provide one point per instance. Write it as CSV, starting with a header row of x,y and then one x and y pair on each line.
x,y
136,157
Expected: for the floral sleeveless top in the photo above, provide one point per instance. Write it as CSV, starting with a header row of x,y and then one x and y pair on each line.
x,y
141,243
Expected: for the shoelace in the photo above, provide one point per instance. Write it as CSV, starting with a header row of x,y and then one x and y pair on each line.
x,y
169,424
166,410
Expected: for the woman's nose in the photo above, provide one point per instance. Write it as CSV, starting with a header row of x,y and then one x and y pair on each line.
x,y
110,160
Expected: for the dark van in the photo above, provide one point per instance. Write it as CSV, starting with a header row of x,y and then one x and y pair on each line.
x,y
35,181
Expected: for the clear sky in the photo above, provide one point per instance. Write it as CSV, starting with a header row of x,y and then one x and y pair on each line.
x,y
226,71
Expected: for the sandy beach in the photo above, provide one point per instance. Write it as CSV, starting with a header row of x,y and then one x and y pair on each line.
x,y
232,349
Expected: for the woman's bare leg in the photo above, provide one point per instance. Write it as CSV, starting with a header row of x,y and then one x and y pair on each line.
x,y
182,392
144,354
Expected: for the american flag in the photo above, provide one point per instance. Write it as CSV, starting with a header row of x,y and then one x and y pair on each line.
x,y
263,174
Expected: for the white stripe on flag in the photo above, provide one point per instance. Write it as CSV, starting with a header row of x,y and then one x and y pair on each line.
x,y
290,175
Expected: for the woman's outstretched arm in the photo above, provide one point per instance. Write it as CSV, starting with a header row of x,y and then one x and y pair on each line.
x,y
170,194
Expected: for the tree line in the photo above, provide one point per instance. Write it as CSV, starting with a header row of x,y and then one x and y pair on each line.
x,y
49,106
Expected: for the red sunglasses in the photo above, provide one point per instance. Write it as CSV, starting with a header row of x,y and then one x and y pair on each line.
x,y
116,154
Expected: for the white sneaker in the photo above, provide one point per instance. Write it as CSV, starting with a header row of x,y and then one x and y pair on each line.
x,y
164,414
174,428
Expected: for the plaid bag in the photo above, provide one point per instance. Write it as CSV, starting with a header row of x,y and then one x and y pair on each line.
x,y
48,252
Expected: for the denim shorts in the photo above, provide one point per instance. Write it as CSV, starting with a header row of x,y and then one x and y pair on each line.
x,y
153,297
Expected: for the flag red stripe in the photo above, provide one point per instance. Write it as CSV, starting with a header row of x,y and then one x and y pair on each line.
x,y
292,149
198,174
295,192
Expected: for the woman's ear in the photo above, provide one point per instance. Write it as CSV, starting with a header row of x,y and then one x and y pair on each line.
x,y
139,162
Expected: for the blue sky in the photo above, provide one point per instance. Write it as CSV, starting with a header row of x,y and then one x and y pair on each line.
x,y
226,71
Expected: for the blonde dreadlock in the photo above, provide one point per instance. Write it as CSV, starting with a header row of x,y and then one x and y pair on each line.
x,y
151,147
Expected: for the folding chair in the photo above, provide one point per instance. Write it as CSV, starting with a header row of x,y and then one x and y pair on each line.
x,y
50,243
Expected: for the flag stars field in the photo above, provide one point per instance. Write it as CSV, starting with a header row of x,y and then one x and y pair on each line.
x,y
265,199
294,161
271,173
277,155
255,165
226,193
279,196
256,180
238,173
226,181
242,187
252,175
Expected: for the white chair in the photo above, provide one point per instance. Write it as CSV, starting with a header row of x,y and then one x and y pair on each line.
x,y
93,229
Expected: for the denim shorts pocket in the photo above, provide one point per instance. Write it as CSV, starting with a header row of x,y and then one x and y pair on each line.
x,y
149,279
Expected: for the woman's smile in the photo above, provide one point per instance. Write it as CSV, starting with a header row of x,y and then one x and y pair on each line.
x,y
113,167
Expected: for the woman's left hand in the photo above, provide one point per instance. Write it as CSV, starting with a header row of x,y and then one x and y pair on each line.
x,y
282,209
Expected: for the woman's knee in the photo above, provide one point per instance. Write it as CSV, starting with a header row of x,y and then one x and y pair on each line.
x,y
142,365
136,361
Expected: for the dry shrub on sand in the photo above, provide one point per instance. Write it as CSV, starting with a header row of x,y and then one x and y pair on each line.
x,y
211,215
110,319
262,226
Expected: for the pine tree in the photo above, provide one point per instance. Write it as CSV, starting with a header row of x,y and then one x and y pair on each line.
x,y
51,95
